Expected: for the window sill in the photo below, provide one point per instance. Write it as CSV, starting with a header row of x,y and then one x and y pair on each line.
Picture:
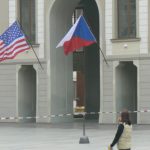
x,y
35,45
125,40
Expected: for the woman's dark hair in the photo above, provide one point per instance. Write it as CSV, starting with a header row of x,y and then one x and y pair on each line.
x,y
125,118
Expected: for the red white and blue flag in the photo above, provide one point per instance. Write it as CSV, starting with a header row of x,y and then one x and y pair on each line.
x,y
12,42
78,36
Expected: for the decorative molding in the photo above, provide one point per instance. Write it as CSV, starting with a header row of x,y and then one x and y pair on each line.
x,y
125,40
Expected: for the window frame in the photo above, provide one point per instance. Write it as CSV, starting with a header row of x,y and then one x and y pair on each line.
x,y
32,40
129,22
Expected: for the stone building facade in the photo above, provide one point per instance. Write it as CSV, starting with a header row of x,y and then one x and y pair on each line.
x,y
121,28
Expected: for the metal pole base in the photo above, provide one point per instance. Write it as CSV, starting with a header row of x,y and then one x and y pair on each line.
x,y
84,140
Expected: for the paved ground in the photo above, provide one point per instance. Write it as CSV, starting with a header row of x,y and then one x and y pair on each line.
x,y
66,136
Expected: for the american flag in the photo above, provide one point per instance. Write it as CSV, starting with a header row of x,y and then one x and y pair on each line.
x,y
12,42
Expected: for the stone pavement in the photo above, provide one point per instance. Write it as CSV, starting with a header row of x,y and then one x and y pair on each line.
x,y
65,136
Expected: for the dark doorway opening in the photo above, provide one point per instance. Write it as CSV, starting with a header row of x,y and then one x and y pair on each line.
x,y
126,88
27,93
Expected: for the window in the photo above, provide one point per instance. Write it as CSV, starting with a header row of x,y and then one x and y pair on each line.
x,y
126,18
77,12
27,18
78,56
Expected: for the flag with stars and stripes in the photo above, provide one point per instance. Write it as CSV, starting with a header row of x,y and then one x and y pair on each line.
x,y
12,42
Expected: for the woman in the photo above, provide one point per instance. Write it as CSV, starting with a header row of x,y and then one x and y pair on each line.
x,y
123,135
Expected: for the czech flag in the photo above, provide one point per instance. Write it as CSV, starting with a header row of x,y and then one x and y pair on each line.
x,y
78,36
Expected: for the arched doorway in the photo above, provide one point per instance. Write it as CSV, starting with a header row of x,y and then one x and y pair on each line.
x,y
27,93
126,88
61,66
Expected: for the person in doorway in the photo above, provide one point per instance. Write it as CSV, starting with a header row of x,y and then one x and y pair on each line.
x,y
124,132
